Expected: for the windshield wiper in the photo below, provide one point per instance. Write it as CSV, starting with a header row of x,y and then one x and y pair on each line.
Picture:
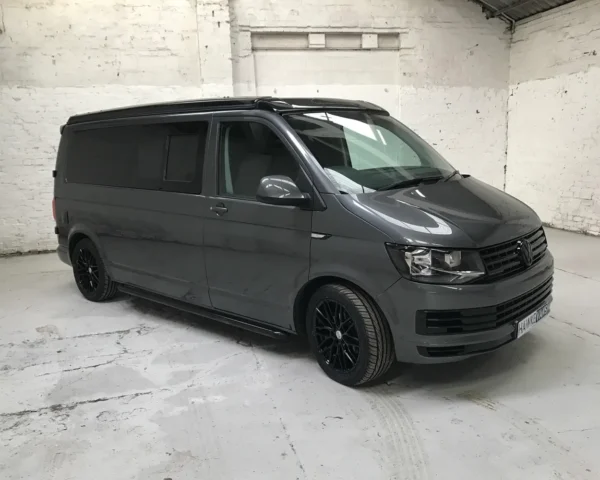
x,y
448,177
412,182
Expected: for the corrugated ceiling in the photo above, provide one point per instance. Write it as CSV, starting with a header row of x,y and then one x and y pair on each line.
x,y
514,10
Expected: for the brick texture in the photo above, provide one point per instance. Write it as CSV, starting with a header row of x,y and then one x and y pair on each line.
x,y
554,125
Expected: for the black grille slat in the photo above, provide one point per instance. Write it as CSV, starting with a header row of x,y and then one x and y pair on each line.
x,y
520,308
535,235
499,253
481,319
502,260
538,243
505,264
454,350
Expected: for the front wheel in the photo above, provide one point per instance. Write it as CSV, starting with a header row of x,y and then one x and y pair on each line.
x,y
348,335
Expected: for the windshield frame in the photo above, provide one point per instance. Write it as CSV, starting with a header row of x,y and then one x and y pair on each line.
x,y
338,121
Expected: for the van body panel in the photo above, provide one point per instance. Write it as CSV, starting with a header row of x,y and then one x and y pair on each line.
x,y
461,213
257,257
147,238
351,249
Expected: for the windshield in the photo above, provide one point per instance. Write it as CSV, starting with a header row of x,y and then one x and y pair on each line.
x,y
363,152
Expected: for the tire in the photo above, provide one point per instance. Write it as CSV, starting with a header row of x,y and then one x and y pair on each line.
x,y
90,273
361,334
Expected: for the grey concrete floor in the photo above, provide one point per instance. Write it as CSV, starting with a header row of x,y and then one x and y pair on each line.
x,y
127,389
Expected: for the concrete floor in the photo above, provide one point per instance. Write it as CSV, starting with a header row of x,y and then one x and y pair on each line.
x,y
128,389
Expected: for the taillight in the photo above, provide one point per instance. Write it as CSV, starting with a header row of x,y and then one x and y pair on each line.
x,y
54,208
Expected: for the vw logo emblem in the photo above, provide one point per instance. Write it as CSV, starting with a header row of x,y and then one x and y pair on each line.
x,y
525,252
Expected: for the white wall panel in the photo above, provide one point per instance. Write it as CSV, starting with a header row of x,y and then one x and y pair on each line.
x,y
554,120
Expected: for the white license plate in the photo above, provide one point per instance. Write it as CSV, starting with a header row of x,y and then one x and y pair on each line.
x,y
523,326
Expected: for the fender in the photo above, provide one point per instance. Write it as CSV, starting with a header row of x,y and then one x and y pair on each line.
x,y
80,228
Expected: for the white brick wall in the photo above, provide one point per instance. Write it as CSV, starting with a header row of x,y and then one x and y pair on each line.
x,y
554,116
60,57
452,69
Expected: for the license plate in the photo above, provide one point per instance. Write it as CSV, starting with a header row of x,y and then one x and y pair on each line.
x,y
523,326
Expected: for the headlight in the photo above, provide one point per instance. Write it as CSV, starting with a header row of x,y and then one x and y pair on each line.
x,y
436,266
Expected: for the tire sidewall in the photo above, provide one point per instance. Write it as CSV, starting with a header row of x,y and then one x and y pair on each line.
x,y
97,294
356,375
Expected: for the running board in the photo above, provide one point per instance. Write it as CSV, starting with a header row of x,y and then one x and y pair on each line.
x,y
221,317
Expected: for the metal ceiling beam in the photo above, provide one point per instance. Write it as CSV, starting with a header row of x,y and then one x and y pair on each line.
x,y
491,9
510,6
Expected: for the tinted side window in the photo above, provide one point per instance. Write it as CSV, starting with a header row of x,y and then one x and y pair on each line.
x,y
181,159
155,157
110,156
248,152
186,145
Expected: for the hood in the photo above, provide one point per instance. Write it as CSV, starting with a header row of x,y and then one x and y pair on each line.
x,y
464,213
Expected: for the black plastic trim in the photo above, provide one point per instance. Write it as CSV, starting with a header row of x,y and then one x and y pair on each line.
x,y
481,319
278,105
222,317
458,350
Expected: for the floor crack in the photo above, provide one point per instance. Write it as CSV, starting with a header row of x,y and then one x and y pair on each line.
x,y
577,274
78,368
140,330
58,407
292,447
589,332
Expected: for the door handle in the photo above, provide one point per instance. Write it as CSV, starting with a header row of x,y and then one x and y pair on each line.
x,y
219,209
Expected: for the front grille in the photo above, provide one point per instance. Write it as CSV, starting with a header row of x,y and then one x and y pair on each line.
x,y
502,260
471,320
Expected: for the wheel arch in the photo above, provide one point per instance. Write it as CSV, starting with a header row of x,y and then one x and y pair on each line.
x,y
305,293
78,233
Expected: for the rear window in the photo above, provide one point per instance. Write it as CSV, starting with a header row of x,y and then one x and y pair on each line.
x,y
154,157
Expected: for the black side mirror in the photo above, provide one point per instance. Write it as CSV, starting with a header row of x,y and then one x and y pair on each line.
x,y
281,190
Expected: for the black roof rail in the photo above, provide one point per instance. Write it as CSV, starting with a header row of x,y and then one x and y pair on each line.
x,y
274,104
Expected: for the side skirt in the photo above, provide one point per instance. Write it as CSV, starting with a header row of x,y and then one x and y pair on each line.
x,y
229,319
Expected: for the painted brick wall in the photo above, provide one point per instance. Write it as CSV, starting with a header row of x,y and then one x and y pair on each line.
x,y
452,68
60,57
554,116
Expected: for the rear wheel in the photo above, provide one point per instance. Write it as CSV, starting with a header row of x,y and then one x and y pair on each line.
x,y
90,273
348,335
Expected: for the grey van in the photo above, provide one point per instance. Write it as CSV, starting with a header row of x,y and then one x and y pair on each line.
x,y
320,217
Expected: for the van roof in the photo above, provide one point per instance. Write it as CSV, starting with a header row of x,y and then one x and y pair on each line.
x,y
279,105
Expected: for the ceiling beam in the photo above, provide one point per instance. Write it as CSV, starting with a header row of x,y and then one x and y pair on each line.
x,y
510,6
490,9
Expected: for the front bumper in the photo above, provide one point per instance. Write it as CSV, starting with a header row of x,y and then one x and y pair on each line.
x,y
482,316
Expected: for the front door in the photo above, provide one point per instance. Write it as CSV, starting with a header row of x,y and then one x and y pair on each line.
x,y
257,255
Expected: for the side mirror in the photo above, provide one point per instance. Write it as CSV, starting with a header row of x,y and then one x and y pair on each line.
x,y
281,190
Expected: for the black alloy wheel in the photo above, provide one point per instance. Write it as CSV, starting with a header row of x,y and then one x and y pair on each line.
x,y
349,335
90,274
86,271
337,338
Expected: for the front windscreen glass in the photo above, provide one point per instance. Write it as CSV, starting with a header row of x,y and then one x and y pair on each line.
x,y
363,152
